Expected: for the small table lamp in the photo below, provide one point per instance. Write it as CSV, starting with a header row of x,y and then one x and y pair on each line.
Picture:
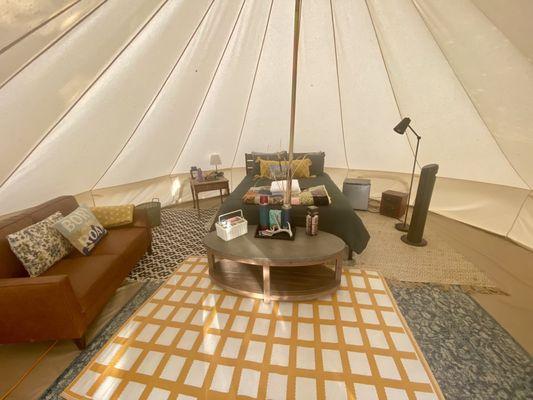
x,y
215,160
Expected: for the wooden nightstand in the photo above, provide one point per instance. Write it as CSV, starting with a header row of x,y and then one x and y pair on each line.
x,y
206,186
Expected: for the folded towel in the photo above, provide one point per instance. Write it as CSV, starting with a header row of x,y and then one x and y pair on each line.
x,y
278,187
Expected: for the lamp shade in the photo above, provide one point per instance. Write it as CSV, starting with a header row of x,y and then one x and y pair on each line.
x,y
214,159
402,126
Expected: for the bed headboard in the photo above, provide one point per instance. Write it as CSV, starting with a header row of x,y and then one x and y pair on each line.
x,y
317,159
249,163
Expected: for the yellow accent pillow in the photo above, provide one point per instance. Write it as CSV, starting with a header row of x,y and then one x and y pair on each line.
x,y
300,168
111,216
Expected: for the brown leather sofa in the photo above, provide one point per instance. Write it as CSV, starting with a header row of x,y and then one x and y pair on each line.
x,y
64,300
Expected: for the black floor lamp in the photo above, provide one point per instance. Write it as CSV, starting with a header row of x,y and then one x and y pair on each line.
x,y
401,128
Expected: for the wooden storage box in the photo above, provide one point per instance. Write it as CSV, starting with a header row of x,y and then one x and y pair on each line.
x,y
393,204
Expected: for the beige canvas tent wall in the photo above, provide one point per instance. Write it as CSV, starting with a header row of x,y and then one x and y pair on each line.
x,y
114,100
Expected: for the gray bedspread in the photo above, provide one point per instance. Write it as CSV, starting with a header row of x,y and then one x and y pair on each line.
x,y
338,218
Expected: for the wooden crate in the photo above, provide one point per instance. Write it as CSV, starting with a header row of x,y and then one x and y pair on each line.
x,y
393,204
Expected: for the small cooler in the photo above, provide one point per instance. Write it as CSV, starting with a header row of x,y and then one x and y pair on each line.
x,y
358,192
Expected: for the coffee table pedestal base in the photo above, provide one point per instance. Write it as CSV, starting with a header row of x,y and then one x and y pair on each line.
x,y
294,283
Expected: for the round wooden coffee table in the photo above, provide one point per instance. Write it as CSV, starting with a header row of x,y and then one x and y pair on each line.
x,y
272,269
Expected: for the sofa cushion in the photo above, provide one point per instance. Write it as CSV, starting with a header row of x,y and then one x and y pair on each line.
x,y
129,244
39,246
90,275
82,229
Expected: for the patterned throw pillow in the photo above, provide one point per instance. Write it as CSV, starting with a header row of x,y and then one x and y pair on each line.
x,y
256,156
111,216
82,229
300,168
39,246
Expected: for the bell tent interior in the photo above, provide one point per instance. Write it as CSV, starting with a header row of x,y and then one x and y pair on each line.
x,y
105,104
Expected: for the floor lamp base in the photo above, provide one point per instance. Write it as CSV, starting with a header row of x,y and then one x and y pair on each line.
x,y
402,227
422,243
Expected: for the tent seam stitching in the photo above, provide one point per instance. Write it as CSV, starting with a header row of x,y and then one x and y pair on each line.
x,y
338,84
501,31
383,59
415,4
208,90
253,84
518,213
50,45
82,95
37,27
150,106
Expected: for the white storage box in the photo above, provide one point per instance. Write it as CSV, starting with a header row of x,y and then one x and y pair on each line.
x,y
231,227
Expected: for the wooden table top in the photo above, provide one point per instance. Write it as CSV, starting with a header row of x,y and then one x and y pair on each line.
x,y
207,182
303,250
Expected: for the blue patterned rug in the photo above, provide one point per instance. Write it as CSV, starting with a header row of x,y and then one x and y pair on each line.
x,y
470,354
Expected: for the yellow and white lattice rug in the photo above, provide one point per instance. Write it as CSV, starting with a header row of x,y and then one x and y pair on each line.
x,y
193,340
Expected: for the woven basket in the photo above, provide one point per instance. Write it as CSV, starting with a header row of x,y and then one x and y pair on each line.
x,y
153,210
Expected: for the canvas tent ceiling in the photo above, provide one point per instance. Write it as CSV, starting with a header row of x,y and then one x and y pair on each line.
x,y
118,98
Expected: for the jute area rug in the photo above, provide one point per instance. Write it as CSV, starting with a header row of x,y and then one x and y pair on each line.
x,y
181,232
193,340
438,262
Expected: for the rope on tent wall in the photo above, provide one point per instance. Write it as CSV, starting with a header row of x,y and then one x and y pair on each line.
x,y
49,45
89,87
338,84
253,84
155,97
467,93
388,75
208,90
39,26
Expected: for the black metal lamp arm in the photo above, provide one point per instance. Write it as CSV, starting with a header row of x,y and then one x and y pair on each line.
x,y
416,134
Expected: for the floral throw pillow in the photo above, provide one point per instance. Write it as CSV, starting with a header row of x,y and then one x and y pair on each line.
x,y
39,246
82,229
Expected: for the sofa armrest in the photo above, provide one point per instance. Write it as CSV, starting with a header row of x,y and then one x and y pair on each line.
x,y
39,308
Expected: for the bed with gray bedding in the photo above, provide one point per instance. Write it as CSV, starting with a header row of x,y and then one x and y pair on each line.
x,y
338,218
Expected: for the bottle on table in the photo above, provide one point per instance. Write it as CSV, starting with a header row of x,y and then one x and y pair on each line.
x,y
263,213
311,221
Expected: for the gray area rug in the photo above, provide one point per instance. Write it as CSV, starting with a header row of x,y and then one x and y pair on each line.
x,y
470,354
